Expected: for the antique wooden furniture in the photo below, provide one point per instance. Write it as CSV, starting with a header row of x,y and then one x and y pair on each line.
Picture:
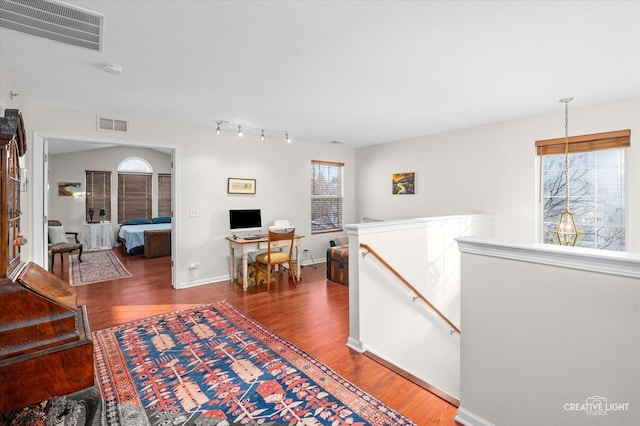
x,y
338,261
64,245
270,258
45,341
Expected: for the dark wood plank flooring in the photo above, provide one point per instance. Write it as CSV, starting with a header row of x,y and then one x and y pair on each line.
x,y
313,315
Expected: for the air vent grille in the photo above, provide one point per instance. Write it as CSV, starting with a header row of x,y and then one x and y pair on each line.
x,y
112,125
54,21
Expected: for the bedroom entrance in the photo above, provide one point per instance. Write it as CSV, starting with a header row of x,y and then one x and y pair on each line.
x,y
89,185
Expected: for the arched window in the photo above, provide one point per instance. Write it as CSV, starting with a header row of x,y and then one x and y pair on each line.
x,y
135,193
135,165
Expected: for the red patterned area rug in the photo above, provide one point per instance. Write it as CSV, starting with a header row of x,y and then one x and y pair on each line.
x,y
96,266
213,365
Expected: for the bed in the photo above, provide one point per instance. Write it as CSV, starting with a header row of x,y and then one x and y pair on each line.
x,y
131,235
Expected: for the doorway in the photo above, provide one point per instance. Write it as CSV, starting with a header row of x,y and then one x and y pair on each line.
x,y
45,181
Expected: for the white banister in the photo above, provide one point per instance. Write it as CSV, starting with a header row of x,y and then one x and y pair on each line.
x,y
551,335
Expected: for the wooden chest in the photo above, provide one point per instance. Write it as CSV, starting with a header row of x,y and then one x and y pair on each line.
x,y
338,264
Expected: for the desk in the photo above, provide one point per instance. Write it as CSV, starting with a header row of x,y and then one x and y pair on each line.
x,y
97,236
247,246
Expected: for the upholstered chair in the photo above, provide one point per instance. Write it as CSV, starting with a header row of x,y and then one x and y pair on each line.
x,y
59,242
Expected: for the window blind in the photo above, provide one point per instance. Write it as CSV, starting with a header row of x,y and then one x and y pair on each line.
x,y
134,196
585,143
164,194
98,194
326,196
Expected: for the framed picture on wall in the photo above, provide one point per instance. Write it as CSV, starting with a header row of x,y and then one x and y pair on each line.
x,y
403,183
241,186
69,189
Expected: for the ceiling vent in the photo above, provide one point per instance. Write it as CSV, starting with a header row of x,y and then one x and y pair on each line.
x,y
53,20
112,125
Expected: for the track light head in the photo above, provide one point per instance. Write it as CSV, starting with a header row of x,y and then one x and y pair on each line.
x,y
286,135
218,128
261,134
240,131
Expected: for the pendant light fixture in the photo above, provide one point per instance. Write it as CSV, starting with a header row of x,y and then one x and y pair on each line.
x,y
566,232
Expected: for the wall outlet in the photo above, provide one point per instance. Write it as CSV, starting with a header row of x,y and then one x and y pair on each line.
x,y
193,212
194,265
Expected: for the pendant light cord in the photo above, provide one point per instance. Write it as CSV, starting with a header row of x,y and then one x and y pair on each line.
x,y
566,150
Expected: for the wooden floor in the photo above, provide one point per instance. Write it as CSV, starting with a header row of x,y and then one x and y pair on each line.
x,y
313,315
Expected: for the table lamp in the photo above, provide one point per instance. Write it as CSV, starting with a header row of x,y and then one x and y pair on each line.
x,y
102,215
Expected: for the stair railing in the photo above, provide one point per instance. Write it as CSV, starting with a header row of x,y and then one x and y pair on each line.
x,y
417,294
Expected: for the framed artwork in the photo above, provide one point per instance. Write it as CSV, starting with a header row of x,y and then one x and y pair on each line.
x,y
241,186
403,183
69,189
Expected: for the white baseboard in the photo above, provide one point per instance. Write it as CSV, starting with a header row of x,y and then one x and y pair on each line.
x,y
354,344
203,281
467,418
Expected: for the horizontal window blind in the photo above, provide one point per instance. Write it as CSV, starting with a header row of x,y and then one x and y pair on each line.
x,y
326,196
164,194
134,196
98,194
585,143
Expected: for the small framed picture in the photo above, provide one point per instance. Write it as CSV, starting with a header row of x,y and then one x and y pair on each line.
x,y
241,186
69,189
403,183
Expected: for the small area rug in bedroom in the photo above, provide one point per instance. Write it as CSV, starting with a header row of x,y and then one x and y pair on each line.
x,y
96,266
213,365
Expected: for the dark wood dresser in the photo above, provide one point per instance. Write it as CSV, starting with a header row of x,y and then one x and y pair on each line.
x,y
45,341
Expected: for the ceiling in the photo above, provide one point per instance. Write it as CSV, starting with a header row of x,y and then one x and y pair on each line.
x,y
356,72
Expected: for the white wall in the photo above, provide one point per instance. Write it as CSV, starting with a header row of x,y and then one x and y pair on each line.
x,y
71,167
9,84
490,168
547,329
385,320
203,163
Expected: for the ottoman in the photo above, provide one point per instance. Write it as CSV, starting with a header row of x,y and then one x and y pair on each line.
x,y
251,275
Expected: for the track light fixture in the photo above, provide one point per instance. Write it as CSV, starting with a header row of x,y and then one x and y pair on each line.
x,y
252,130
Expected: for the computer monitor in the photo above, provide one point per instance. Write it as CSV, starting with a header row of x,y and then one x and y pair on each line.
x,y
246,220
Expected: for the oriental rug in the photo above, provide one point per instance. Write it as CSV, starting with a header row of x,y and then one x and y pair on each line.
x,y
213,365
96,266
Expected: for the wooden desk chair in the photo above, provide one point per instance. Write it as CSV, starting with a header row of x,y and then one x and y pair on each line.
x,y
59,242
277,257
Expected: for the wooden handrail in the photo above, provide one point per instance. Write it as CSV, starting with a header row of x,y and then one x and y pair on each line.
x,y
412,288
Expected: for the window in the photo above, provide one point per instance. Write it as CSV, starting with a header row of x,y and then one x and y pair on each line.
x,y
98,185
164,194
134,190
596,186
326,196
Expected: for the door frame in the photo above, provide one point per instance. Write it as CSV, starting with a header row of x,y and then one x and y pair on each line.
x,y
40,195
